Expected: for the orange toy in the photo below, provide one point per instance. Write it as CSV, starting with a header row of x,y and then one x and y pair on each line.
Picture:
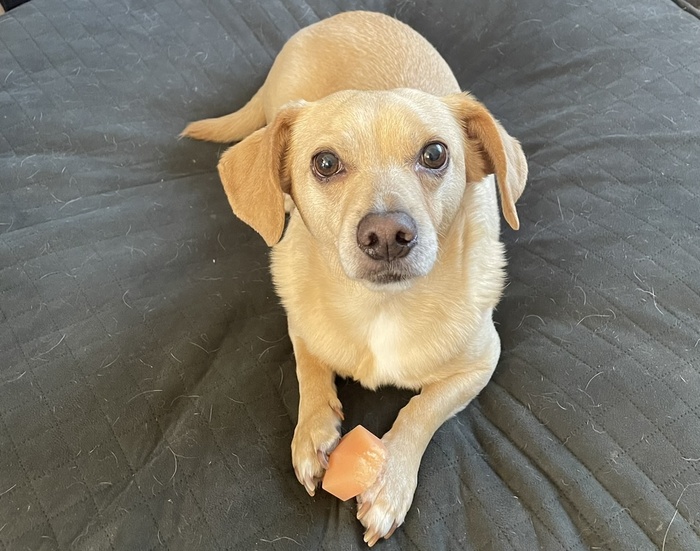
x,y
354,464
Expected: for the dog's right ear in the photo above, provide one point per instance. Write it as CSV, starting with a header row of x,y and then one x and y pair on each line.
x,y
255,177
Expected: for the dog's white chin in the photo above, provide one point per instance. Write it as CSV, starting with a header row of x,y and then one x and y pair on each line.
x,y
392,287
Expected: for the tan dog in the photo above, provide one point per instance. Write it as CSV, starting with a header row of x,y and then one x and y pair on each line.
x,y
391,264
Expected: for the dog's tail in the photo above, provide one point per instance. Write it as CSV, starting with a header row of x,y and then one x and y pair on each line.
x,y
230,128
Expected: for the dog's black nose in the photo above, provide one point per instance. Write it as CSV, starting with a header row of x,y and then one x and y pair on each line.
x,y
386,235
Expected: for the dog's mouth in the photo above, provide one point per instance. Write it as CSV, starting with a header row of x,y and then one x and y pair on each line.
x,y
385,277
391,276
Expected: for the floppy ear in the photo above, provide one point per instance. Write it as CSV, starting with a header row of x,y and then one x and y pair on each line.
x,y
254,176
501,153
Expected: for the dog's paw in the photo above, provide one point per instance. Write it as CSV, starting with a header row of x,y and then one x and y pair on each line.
x,y
315,437
383,506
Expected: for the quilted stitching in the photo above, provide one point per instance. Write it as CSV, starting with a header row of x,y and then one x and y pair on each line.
x,y
147,389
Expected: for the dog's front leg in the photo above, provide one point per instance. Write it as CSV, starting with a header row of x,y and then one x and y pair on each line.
x,y
320,413
384,505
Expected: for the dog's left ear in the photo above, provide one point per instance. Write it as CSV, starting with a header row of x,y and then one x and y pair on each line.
x,y
255,177
501,153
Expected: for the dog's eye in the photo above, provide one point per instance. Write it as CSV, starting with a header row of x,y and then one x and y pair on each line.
x,y
434,156
326,164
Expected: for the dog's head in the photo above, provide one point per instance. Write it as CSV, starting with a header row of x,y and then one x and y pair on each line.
x,y
376,176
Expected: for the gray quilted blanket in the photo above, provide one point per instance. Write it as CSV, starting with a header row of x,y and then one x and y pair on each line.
x,y
147,386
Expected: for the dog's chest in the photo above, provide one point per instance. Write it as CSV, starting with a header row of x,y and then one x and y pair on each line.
x,y
385,337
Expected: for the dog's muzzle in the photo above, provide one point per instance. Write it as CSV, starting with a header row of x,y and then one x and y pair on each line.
x,y
386,239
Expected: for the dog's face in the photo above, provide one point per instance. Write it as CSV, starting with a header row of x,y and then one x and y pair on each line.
x,y
377,177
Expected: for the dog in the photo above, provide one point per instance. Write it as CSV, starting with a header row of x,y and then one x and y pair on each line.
x,y
391,263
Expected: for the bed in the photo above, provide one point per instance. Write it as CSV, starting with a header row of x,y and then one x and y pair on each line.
x,y
147,385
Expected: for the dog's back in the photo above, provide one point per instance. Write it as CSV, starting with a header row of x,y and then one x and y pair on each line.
x,y
350,51
355,51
